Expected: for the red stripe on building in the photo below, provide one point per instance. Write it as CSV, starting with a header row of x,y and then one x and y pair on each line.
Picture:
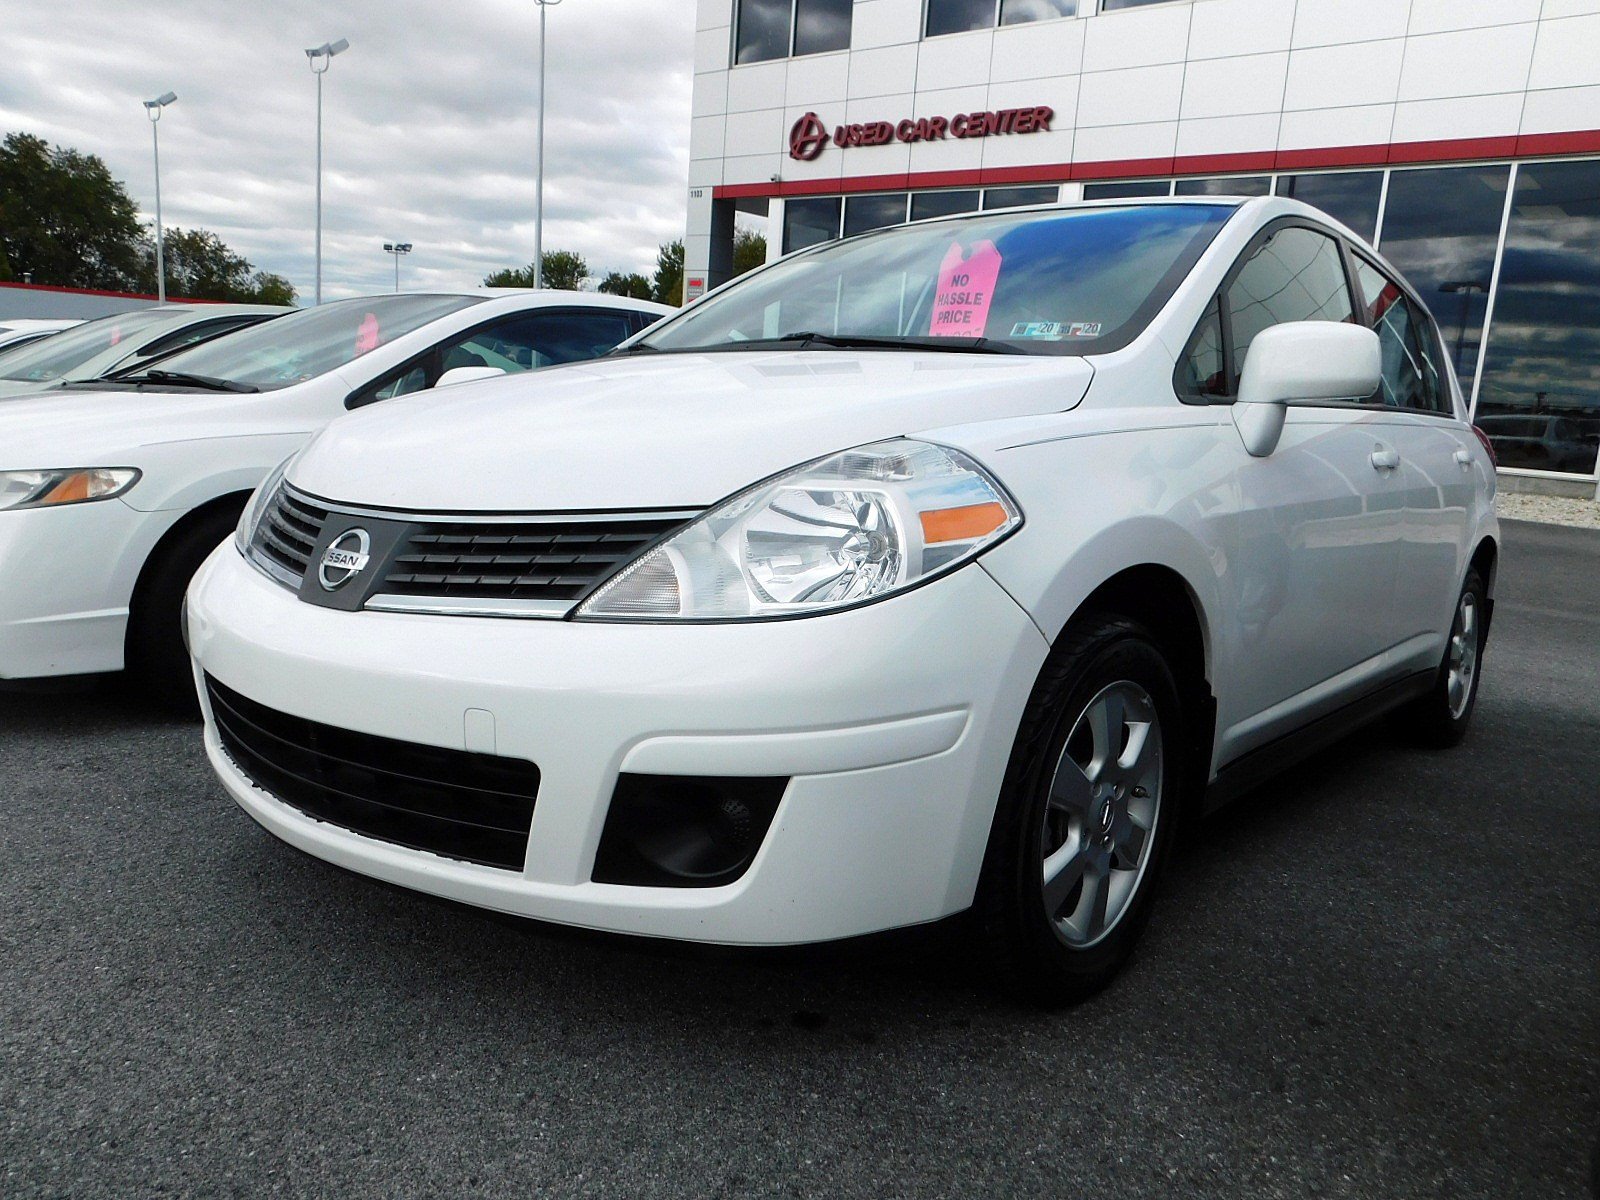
x,y
1538,145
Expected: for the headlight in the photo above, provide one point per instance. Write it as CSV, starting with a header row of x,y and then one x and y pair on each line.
x,y
256,507
46,489
841,531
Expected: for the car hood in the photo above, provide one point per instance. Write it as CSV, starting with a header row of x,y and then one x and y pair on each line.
x,y
675,430
26,387
68,427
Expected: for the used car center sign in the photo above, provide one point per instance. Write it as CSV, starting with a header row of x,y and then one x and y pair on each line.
x,y
809,136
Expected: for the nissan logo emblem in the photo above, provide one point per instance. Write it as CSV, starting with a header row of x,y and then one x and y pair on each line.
x,y
345,558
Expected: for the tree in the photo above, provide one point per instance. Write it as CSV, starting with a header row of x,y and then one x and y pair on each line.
x,y
668,285
633,284
64,219
564,270
200,266
749,251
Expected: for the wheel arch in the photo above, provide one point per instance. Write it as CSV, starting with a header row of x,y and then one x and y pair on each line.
x,y
233,502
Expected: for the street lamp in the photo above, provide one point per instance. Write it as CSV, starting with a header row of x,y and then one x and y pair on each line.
x,y
1464,288
322,54
538,191
397,249
152,109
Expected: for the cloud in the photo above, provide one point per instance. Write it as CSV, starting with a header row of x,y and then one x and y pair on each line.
x,y
428,125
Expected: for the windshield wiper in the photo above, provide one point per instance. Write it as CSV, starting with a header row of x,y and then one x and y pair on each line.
x,y
637,348
209,382
850,341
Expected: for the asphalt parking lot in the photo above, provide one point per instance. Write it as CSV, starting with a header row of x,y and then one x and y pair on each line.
x,y
1379,977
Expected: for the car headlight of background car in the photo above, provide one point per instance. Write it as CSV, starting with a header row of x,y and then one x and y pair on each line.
x,y
72,485
840,531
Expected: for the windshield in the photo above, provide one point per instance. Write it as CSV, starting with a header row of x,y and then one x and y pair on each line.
x,y
55,356
1056,281
311,342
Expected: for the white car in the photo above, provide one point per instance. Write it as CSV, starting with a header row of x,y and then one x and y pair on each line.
x,y
121,342
18,332
111,493
937,569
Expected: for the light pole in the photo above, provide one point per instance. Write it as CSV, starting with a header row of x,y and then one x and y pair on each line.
x,y
1464,288
538,191
322,54
397,249
152,109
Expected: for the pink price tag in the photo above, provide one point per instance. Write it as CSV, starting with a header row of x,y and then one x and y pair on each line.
x,y
367,335
965,291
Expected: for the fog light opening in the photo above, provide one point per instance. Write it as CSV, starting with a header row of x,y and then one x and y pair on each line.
x,y
685,831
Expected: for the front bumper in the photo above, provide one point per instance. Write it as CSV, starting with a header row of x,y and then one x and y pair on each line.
x,y
66,577
894,722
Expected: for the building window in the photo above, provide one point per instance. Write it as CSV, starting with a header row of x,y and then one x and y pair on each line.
x,y
865,213
809,222
1225,185
1020,197
1540,400
769,29
1019,12
1348,196
1114,5
1132,189
942,204
958,16
1440,227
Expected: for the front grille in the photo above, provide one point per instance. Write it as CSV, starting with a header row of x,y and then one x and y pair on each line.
x,y
553,561
287,535
513,566
474,807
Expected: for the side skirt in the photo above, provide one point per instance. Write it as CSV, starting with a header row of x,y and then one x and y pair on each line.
x,y
1248,770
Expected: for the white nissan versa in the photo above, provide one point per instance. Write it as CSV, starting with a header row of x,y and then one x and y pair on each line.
x,y
112,491
940,568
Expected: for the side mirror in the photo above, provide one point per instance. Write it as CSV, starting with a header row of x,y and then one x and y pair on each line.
x,y
467,375
1297,361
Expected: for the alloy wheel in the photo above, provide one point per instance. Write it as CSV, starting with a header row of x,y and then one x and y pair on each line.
x,y
1100,820
1463,655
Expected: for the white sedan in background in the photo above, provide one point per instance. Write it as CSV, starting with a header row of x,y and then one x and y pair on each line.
x,y
120,342
112,492
18,332
939,569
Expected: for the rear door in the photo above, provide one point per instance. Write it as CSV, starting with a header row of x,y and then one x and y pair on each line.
x,y
1437,469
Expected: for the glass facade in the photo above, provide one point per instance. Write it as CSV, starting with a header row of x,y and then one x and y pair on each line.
x,y
1530,309
1540,396
942,204
810,221
1132,189
1440,226
865,213
1019,197
1225,185
1348,196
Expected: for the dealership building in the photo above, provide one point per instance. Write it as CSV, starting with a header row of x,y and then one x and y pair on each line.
x,y
1462,136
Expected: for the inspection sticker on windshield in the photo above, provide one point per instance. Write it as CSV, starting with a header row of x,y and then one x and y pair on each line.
x,y
965,291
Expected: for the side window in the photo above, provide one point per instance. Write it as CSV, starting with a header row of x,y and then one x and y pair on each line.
x,y
1201,372
539,340
1297,274
1411,376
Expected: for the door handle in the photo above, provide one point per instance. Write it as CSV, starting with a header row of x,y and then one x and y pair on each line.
x,y
1464,457
1384,459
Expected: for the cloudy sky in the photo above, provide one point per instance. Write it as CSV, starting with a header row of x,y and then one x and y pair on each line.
x,y
428,129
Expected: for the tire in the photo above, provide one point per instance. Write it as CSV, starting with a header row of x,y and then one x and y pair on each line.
x,y
157,662
1440,718
1091,830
